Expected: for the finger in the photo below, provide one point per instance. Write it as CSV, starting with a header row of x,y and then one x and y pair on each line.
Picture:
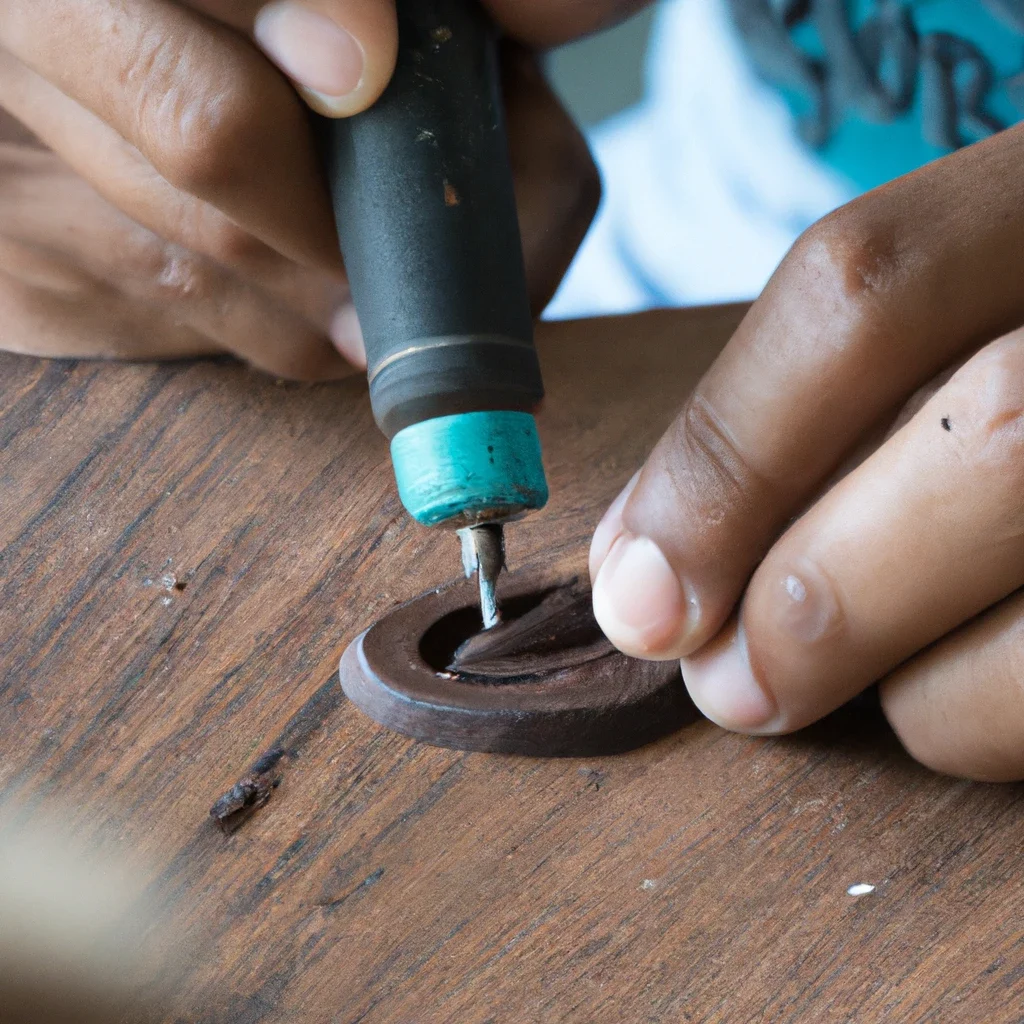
x,y
174,285
120,173
557,185
923,536
340,53
958,707
242,318
347,336
200,102
550,22
57,311
606,534
870,304
182,310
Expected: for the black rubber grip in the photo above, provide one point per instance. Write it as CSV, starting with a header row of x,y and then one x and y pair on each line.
x,y
426,215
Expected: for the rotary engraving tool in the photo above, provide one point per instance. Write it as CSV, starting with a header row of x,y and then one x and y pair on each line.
x,y
426,215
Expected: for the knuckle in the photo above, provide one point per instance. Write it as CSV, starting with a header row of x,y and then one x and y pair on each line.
x,y
162,273
992,388
198,137
181,277
699,482
852,261
192,125
710,464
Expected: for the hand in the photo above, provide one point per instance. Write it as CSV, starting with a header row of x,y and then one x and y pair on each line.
x,y
172,114
905,564
80,279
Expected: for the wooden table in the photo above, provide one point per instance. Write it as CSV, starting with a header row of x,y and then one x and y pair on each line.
x,y
186,551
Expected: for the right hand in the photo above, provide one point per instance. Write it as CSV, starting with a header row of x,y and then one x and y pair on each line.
x,y
172,114
841,500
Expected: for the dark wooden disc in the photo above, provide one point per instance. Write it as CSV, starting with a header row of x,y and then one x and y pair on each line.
x,y
579,699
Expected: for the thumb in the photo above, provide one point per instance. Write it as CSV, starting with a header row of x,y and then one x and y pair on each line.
x,y
339,53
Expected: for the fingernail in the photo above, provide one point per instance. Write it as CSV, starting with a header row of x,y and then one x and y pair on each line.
x,y
639,602
314,51
723,686
347,336
610,528
806,607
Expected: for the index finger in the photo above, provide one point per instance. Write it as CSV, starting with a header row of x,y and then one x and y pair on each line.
x,y
871,302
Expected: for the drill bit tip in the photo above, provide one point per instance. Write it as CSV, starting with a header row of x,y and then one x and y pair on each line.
x,y
483,552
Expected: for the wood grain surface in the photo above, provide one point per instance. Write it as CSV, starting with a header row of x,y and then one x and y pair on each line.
x,y
187,550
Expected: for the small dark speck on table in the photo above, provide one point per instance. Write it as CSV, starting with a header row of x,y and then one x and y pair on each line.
x,y
947,424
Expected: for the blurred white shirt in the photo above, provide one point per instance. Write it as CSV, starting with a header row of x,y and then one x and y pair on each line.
x,y
707,182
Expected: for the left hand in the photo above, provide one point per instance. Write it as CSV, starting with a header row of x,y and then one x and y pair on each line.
x,y
909,568
183,191
80,279
100,256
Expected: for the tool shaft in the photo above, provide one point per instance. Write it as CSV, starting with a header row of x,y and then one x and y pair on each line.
x,y
426,215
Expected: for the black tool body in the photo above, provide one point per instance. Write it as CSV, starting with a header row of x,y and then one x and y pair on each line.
x,y
426,217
